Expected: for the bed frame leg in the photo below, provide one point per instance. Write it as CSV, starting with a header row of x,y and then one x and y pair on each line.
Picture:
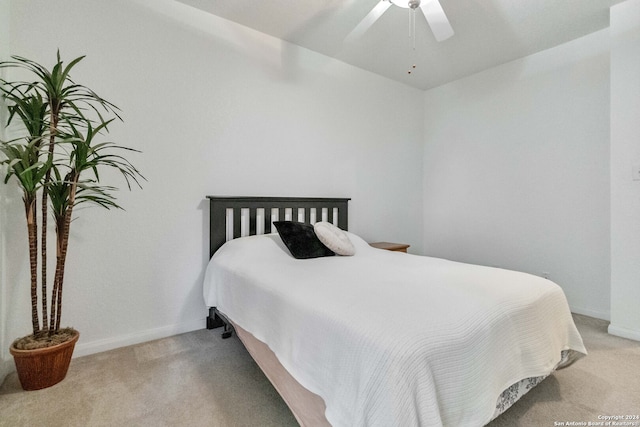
x,y
215,320
227,332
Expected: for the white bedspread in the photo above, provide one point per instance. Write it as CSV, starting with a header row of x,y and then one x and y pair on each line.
x,y
391,339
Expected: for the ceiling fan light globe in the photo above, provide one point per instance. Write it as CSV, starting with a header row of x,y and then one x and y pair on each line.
x,y
401,3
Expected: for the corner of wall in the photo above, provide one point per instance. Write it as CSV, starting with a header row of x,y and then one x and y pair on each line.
x,y
625,154
6,365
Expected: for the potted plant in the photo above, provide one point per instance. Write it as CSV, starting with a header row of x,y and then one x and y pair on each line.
x,y
56,160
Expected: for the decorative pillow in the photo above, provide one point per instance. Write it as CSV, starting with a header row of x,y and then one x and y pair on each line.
x,y
334,238
301,240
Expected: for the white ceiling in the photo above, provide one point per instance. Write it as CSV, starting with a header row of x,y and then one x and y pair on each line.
x,y
487,32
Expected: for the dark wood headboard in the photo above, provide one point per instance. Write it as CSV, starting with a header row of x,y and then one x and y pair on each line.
x,y
218,207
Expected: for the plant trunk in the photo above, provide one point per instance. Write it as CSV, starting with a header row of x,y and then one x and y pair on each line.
x,y
53,126
30,205
63,224
43,252
61,258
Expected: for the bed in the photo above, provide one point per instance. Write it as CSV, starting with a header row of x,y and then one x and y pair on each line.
x,y
379,338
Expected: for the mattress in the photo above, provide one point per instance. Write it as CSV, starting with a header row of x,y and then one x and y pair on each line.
x,y
394,339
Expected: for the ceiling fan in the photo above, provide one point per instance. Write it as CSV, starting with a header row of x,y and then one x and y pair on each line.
x,y
431,9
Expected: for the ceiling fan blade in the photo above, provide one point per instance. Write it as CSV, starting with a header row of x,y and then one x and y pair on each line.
x,y
437,19
368,20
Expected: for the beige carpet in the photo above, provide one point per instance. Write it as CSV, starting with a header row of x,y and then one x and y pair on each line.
x,y
198,379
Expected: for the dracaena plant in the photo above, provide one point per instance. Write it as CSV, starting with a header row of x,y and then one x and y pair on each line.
x,y
57,163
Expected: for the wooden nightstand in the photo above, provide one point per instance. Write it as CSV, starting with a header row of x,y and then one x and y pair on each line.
x,y
396,247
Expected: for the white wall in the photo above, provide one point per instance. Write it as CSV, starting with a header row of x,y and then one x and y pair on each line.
x,y
216,109
625,154
516,170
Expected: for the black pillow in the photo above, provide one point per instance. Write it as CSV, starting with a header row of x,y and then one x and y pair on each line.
x,y
301,240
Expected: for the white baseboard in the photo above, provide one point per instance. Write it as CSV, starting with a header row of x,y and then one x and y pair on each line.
x,y
92,347
85,349
591,313
6,367
624,332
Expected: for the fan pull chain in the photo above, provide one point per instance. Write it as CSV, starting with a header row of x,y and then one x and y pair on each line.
x,y
413,28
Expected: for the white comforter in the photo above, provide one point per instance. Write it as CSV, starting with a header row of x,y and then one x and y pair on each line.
x,y
390,339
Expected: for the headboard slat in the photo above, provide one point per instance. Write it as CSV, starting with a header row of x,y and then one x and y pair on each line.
x,y
237,221
253,217
267,221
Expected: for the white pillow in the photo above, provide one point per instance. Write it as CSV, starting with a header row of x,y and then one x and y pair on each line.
x,y
334,238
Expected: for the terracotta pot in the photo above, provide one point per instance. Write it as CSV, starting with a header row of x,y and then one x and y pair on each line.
x,y
43,367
